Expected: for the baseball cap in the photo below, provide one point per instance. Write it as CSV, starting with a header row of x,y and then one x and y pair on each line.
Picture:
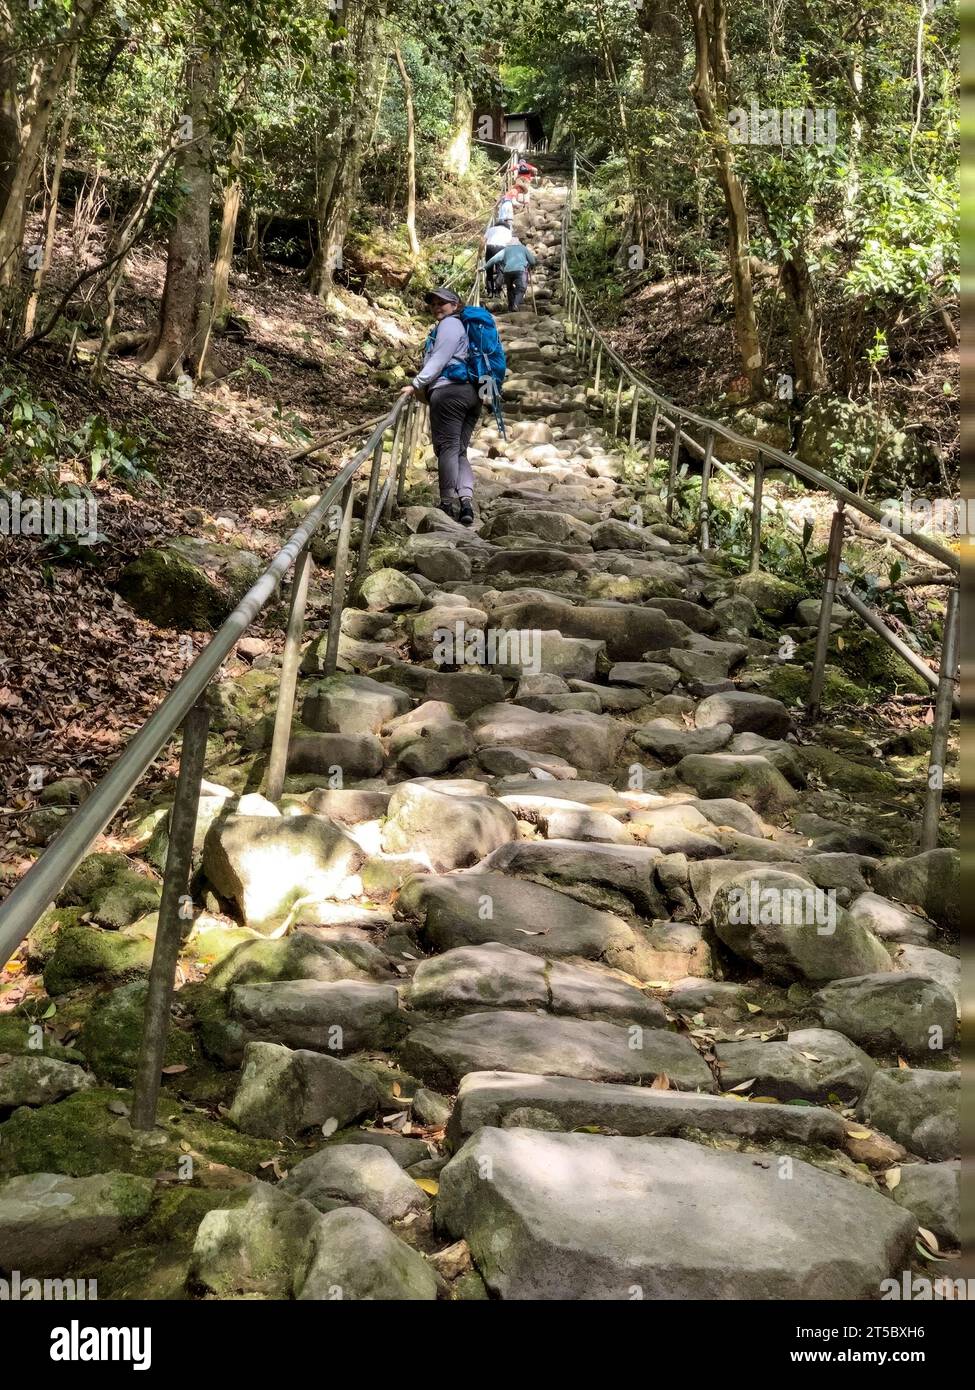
x,y
447,295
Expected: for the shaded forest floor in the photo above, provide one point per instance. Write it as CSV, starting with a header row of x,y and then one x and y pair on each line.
x,y
80,672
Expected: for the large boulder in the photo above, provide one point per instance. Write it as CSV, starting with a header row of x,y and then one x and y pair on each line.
x,y
354,1257
259,1249
743,777
890,1012
930,881
350,756
358,1175
587,741
37,1080
931,1192
466,691
745,712
265,864
583,1216
284,1092
503,977
338,1018
473,908
442,1052
449,832
189,583
920,1109
47,1220
814,1064
620,877
793,930
389,590
346,704
627,630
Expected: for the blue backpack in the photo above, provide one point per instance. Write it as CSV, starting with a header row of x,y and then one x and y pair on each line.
x,y
485,354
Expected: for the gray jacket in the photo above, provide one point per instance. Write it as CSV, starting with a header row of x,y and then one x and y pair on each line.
x,y
449,345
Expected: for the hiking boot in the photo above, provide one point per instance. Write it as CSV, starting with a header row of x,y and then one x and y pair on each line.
x,y
466,517
450,507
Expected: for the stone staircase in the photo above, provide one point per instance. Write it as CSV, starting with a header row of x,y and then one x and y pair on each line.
x,y
568,967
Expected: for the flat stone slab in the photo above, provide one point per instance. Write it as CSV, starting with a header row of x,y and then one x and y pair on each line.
x,y
470,909
626,871
917,1107
496,976
336,1018
582,1216
813,1065
488,1098
47,1219
441,1053
584,740
358,1175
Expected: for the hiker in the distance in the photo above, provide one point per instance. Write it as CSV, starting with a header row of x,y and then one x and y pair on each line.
x,y
525,170
515,261
505,212
496,238
454,404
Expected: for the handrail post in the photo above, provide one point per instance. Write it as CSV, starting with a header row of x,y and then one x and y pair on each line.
x,y
942,721
616,412
371,493
172,914
672,470
704,529
833,555
398,436
599,369
277,762
339,580
406,450
634,415
755,560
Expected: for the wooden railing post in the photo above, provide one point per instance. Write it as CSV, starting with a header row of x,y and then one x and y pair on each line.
x,y
339,580
371,494
704,515
755,560
634,416
277,763
172,914
616,412
672,470
942,721
833,556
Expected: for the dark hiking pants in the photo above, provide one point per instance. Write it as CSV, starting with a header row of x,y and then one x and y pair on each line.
x,y
516,283
454,411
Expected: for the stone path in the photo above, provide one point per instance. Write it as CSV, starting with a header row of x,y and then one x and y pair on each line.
x,y
566,969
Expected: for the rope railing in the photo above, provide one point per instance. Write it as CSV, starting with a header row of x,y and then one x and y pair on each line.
x,y
595,353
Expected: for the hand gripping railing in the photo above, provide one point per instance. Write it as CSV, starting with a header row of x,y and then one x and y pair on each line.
x,y
595,354
185,706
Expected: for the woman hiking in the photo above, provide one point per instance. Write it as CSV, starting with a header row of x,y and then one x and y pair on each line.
x,y
455,406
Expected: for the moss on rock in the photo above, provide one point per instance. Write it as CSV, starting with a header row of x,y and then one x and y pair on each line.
x,y
188,583
114,892
867,661
112,1035
86,955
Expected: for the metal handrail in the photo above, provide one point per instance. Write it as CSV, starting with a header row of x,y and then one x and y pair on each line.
x,y
45,879
943,682
715,427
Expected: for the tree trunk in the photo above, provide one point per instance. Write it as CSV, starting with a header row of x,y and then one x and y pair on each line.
x,y
253,255
710,92
458,158
228,228
18,176
51,221
805,328
319,268
182,335
10,129
410,154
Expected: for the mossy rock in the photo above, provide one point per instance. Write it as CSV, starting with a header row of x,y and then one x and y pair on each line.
x,y
17,1037
842,773
222,1038
188,583
790,684
42,939
86,955
867,660
211,940
112,1035
89,1133
774,598
238,703
108,887
239,777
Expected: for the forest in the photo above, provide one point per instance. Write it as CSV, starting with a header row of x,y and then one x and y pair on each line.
x,y
710,798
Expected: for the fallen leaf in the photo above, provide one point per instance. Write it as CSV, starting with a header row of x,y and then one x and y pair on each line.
x,y
860,1133
744,1085
175,1069
660,1082
929,1238
892,1177
753,1008
428,1185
